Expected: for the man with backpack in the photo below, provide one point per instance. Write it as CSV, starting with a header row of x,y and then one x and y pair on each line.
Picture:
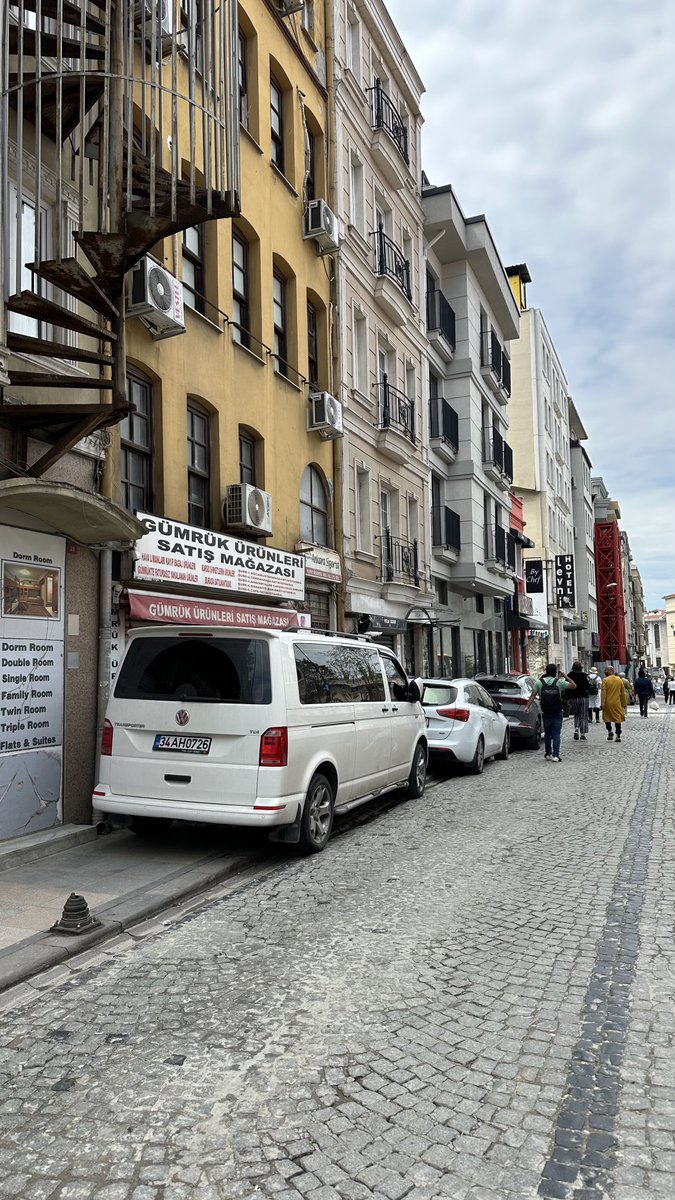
x,y
550,690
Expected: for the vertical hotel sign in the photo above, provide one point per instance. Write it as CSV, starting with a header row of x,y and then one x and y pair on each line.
x,y
32,630
565,596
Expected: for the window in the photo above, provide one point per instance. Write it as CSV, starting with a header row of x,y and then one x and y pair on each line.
x,y
279,294
364,532
32,239
136,446
657,638
246,459
192,21
313,508
310,165
360,352
193,267
357,195
413,519
396,678
308,17
353,43
199,464
277,124
240,290
211,670
242,72
312,347
338,674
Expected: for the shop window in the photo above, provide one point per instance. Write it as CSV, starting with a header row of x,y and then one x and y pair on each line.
x,y
313,508
199,465
136,446
194,275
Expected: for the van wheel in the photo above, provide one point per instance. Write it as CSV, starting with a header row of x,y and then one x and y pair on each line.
x,y
317,816
418,774
149,826
478,761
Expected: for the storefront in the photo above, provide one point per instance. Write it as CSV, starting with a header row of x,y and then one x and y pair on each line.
x,y
323,574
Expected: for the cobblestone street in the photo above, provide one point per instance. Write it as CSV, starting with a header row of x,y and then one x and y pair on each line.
x,y
467,995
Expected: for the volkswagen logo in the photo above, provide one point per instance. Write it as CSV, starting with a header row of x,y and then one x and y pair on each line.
x,y
182,717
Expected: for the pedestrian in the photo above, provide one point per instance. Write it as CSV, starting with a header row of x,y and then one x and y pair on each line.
x,y
665,688
645,691
550,690
614,704
671,691
628,686
579,701
594,689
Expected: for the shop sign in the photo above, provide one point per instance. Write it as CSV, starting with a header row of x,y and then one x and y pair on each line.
x,y
172,552
525,605
321,563
375,624
186,610
534,575
32,630
564,580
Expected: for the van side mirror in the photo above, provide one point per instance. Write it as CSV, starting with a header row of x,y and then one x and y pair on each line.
x,y
415,690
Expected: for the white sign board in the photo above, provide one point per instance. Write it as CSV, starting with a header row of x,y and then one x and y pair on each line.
x,y
172,552
32,630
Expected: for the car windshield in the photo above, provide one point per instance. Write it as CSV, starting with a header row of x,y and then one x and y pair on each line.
x,y
500,685
439,693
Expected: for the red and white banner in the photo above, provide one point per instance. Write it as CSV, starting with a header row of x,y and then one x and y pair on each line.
x,y
184,610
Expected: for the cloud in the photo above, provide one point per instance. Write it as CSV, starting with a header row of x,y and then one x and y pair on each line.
x,y
556,122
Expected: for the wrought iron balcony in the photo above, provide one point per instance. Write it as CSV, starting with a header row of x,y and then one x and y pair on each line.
x,y
391,262
493,449
396,410
386,116
440,316
400,559
494,362
508,462
445,528
444,422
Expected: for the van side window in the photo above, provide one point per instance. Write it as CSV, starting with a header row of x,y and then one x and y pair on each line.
x,y
337,674
396,677
212,670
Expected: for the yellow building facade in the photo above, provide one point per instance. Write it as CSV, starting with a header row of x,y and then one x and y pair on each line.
x,y
227,402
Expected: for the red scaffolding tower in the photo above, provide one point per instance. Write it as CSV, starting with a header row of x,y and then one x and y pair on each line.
x,y
611,611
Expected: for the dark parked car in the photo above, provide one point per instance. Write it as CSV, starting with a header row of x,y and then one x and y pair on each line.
x,y
513,692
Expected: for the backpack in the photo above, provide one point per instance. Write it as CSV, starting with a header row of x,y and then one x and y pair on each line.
x,y
593,688
551,700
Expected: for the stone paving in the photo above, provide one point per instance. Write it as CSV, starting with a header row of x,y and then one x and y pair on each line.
x,y
468,995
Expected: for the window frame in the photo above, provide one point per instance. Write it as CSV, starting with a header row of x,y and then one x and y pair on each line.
x,y
197,410
316,512
313,346
129,446
242,78
197,262
240,300
247,471
280,330
277,135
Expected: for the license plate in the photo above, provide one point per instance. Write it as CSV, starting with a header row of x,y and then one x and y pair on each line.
x,y
178,743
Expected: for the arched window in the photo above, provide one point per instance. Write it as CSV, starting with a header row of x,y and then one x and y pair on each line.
x,y
313,508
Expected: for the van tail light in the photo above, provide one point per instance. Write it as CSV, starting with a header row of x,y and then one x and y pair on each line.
x,y
454,714
106,738
274,747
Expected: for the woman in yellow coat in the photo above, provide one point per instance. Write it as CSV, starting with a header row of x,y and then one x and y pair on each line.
x,y
614,704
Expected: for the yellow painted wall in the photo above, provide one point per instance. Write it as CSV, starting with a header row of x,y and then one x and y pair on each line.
x,y
237,386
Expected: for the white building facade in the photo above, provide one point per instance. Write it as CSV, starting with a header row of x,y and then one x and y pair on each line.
x,y
656,628
383,348
588,640
472,318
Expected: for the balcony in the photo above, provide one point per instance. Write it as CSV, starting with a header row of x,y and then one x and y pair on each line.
x,y
495,366
400,561
445,533
396,418
500,549
508,463
497,458
389,145
393,286
441,324
444,424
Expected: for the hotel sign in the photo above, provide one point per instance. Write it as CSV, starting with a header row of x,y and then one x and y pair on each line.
x,y
565,596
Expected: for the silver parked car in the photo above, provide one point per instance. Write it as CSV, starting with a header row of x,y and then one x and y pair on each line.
x,y
513,692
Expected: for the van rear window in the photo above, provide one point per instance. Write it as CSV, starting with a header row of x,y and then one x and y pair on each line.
x,y
213,670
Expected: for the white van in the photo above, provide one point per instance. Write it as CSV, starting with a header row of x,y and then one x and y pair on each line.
x,y
272,729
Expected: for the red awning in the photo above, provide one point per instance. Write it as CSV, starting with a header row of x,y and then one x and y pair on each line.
x,y
190,610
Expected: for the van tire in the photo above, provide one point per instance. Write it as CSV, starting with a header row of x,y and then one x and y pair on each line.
x,y
418,773
149,826
316,821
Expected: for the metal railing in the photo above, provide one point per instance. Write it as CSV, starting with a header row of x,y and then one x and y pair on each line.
x,y
396,410
508,462
392,262
511,551
493,448
506,374
495,544
386,116
440,316
400,559
445,527
444,421
492,355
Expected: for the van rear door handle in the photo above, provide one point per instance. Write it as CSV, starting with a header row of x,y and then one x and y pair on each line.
x,y
395,708
177,778
385,710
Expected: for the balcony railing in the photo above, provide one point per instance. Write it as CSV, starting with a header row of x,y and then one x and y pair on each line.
x,y
396,410
494,357
508,462
444,422
391,262
500,546
386,116
400,559
493,448
445,527
511,551
440,316
506,374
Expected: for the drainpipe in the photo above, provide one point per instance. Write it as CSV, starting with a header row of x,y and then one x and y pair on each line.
x,y
336,309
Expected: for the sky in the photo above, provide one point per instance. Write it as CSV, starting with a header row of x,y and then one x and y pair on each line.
x,y
557,121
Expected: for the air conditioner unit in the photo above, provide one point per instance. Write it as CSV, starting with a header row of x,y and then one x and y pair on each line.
x,y
322,226
286,7
248,508
325,416
156,296
161,11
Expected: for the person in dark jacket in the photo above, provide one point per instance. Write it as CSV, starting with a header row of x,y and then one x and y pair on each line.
x,y
665,688
579,701
645,691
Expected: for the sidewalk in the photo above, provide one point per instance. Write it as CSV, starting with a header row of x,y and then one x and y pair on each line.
x,y
123,878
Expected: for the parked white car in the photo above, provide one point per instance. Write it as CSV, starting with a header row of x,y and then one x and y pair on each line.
x,y
464,723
